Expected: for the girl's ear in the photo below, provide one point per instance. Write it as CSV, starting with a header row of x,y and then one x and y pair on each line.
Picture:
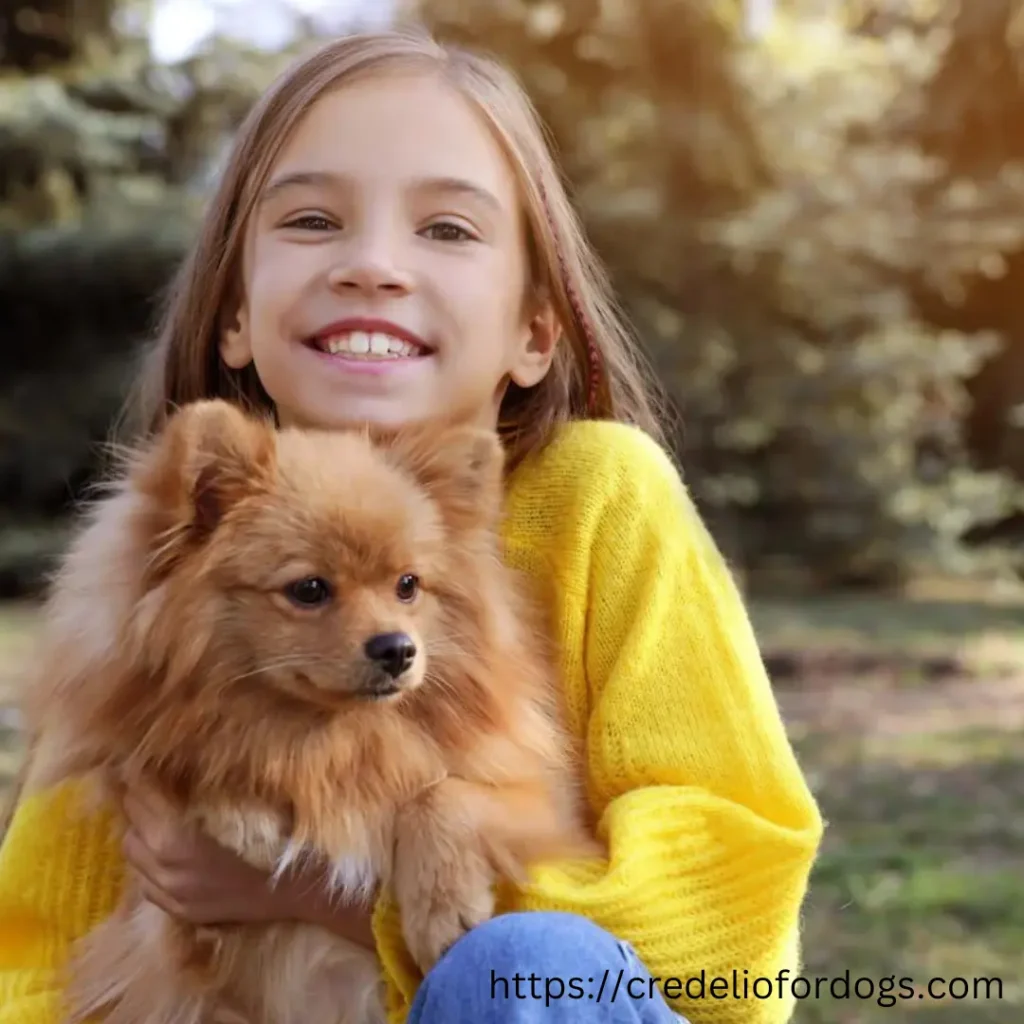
x,y
235,347
532,359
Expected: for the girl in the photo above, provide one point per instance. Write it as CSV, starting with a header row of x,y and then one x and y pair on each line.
x,y
390,240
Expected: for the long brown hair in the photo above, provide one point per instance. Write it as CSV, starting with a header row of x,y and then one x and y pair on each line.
x,y
598,371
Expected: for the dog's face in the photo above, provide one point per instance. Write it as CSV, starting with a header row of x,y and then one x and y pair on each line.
x,y
323,566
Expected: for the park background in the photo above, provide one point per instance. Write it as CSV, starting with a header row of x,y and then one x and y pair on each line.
x,y
814,212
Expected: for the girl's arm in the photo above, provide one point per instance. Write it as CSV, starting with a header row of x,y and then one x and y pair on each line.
x,y
711,828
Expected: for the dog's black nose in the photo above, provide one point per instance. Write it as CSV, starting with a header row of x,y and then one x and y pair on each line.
x,y
393,652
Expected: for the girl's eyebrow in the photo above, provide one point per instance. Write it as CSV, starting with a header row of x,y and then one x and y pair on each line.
x,y
298,179
457,186
329,179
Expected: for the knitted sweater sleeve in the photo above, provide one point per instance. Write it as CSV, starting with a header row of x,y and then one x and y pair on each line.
x,y
711,828
60,873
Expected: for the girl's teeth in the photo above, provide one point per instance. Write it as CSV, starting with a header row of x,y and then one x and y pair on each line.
x,y
376,345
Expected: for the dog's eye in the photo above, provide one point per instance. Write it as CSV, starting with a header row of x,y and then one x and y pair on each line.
x,y
407,587
309,592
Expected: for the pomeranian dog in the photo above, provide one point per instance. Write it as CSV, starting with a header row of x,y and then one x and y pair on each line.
x,y
309,642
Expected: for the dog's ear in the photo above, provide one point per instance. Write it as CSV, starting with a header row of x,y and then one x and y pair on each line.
x,y
461,467
211,455
227,456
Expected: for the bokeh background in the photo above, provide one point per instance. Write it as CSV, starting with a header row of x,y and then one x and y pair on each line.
x,y
814,211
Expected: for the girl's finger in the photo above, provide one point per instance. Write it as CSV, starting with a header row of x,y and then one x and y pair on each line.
x,y
155,895
172,904
139,816
138,855
145,862
147,809
159,829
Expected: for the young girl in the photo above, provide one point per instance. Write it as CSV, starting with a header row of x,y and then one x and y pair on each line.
x,y
390,240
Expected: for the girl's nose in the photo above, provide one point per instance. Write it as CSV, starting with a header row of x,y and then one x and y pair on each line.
x,y
369,269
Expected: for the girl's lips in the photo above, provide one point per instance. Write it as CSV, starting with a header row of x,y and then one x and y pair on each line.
x,y
368,347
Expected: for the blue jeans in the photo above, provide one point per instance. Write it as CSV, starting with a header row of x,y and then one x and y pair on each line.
x,y
521,968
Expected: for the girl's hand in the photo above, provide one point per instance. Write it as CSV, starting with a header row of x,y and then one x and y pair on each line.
x,y
191,877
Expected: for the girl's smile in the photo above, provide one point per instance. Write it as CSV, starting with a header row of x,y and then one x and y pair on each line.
x,y
364,345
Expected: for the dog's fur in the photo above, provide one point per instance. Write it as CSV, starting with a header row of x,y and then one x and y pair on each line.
x,y
173,658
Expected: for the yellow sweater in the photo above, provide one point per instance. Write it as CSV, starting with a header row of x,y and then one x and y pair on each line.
x,y
711,828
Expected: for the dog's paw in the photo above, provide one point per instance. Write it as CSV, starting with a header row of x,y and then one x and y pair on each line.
x,y
430,931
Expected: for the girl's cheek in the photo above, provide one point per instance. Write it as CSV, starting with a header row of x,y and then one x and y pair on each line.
x,y
277,272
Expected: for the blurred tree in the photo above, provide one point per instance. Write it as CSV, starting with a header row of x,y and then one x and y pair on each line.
x,y
772,219
36,35
89,233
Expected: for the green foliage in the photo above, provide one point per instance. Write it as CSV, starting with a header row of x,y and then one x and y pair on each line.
x,y
793,226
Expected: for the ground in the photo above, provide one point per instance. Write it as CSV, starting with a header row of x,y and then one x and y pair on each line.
x,y
908,716
909,719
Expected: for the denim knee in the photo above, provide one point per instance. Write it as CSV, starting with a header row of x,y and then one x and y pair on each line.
x,y
532,966
551,942
528,955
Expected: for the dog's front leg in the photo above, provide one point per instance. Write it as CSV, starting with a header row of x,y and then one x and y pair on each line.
x,y
443,879
457,838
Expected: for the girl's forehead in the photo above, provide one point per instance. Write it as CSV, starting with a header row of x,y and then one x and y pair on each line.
x,y
395,129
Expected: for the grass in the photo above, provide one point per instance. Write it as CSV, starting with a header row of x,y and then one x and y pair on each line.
x,y
909,719
908,716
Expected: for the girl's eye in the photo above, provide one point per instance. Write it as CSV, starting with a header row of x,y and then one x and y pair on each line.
x,y
446,231
311,222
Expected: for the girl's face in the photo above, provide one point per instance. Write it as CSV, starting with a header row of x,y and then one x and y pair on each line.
x,y
385,268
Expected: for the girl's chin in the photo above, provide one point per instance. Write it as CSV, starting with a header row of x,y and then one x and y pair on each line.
x,y
342,410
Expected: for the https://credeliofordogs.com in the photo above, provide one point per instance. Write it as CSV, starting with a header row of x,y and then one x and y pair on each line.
x,y
610,986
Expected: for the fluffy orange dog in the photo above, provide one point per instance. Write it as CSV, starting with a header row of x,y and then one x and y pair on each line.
x,y
310,643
